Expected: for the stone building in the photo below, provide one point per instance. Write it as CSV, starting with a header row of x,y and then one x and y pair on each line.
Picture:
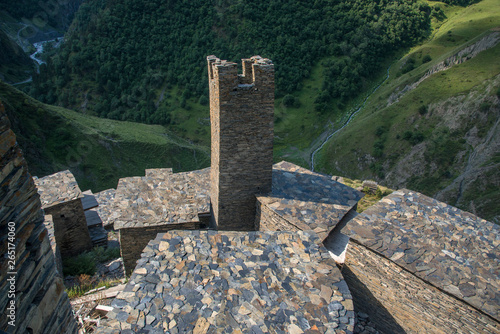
x,y
32,296
265,271
61,198
413,264
158,202
417,265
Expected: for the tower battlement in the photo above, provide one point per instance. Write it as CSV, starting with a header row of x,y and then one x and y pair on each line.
x,y
241,117
256,70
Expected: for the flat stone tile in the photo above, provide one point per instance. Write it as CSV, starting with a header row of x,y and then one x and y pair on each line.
x,y
160,198
207,281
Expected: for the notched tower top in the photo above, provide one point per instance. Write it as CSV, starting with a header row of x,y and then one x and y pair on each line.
x,y
256,71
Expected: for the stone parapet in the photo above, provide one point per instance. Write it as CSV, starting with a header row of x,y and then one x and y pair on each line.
x,y
233,282
28,275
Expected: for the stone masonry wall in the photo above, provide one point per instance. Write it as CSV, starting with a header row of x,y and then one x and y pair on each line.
x,y
49,225
32,296
241,117
134,239
70,228
397,301
268,220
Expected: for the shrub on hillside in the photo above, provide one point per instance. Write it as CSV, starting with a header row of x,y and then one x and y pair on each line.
x,y
408,66
291,101
413,137
422,110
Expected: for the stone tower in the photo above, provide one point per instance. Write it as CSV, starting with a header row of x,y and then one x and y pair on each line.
x,y
241,117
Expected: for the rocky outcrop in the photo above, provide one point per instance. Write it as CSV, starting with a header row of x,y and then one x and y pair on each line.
x,y
460,57
475,167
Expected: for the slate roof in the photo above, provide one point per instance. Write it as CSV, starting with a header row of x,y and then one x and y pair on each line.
x,y
161,198
57,188
233,282
447,247
105,199
309,200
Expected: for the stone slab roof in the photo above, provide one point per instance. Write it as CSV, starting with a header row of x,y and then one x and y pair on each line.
x,y
309,200
159,173
447,247
105,199
57,188
233,282
161,198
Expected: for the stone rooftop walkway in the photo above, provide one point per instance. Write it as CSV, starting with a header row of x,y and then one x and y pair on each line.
x,y
445,246
233,282
309,201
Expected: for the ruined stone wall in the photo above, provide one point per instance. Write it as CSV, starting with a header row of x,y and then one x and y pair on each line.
x,y
32,296
268,220
70,228
398,301
134,239
241,117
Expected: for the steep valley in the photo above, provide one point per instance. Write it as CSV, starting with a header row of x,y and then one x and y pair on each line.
x,y
435,127
431,126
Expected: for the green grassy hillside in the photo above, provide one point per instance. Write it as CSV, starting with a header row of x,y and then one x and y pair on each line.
x,y
97,151
443,137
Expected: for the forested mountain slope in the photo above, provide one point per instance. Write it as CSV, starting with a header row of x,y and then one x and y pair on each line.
x,y
434,126
125,59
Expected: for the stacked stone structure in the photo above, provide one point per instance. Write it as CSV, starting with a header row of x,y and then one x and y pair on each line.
x,y
156,203
302,200
418,265
61,198
241,117
32,296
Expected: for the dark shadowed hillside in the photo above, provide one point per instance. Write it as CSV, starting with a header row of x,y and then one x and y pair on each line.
x,y
98,152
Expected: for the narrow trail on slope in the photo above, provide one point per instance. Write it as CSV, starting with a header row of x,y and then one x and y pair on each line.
x,y
349,119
